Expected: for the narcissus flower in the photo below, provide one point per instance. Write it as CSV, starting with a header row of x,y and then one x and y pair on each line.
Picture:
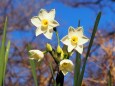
x,y
75,39
66,66
36,54
45,23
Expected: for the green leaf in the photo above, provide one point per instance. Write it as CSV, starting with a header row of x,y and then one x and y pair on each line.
x,y
6,58
89,47
60,79
2,54
51,69
77,65
77,68
33,67
110,79
55,29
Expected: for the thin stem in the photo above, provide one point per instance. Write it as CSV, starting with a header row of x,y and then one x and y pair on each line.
x,y
45,52
57,36
52,54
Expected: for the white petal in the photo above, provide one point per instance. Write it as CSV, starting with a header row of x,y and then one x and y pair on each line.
x,y
37,53
67,69
53,23
49,33
79,31
71,67
36,21
65,40
71,31
38,31
79,48
83,40
64,72
52,14
42,14
70,48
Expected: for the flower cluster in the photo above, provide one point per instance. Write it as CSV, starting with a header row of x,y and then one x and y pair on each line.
x,y
75,39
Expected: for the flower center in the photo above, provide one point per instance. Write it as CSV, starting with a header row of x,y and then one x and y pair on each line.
x,y
44,22
74,39
65,65
35,56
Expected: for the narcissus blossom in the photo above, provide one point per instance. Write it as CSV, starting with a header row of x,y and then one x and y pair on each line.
x,y
66,66
36,54
75,39
45,23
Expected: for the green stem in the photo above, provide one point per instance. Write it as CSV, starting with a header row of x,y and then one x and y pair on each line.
x,y
60,79
45,52
52,54
57,36
110,79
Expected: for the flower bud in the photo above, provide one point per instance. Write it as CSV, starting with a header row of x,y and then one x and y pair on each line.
x,y
36,54
60,53
48,47
59,49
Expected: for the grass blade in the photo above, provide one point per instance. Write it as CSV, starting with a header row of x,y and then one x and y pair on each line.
x,y
51,69
33,69
6,58
77,68
2,54
110,79
89,47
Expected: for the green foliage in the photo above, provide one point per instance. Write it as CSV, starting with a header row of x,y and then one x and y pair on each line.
x,y
89,48
110,79
4,51
33,68
77,69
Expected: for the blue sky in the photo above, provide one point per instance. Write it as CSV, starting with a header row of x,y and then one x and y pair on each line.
x,y
69,16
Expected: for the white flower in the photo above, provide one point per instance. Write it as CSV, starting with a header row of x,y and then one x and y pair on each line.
x,y
45,23
66,66
36,54
75,39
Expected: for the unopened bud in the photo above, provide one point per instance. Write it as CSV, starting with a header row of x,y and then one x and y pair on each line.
x,y
48,47
59,49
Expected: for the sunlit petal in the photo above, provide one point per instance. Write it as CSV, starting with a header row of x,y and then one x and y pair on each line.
x,y
42,14
36,54
53,23
83,40
71,31
36,21
38,31
66,66
52,14
79,31
65,40
49,33
79,48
